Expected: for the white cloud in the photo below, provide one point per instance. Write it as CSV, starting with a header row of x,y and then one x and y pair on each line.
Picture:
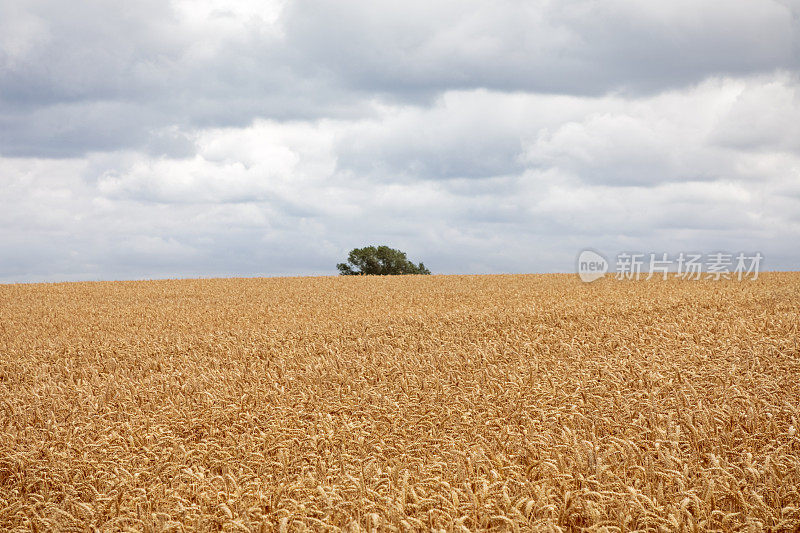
x,y
246,138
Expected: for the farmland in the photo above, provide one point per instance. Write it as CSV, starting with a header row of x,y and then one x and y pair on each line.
x,y
419,403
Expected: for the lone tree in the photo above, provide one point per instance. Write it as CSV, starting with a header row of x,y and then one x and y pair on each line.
x,y
379,261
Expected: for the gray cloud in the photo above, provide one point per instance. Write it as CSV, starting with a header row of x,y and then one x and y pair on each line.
x,y
249,138
578,47
108,75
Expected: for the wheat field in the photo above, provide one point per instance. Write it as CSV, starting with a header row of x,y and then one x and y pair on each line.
x,y
418,403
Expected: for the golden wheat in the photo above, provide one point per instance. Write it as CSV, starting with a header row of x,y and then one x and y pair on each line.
x,y
455,403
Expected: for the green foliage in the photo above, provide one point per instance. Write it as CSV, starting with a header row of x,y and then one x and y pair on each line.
x,y
379,261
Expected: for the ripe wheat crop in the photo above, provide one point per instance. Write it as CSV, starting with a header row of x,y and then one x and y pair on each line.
x,y
442,403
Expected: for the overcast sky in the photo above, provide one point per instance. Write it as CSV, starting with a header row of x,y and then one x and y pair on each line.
x,y
237,138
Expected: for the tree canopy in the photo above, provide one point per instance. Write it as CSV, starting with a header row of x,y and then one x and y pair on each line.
x,y
379,261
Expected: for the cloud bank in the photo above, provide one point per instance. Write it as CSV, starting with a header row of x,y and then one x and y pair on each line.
x,y
258,138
